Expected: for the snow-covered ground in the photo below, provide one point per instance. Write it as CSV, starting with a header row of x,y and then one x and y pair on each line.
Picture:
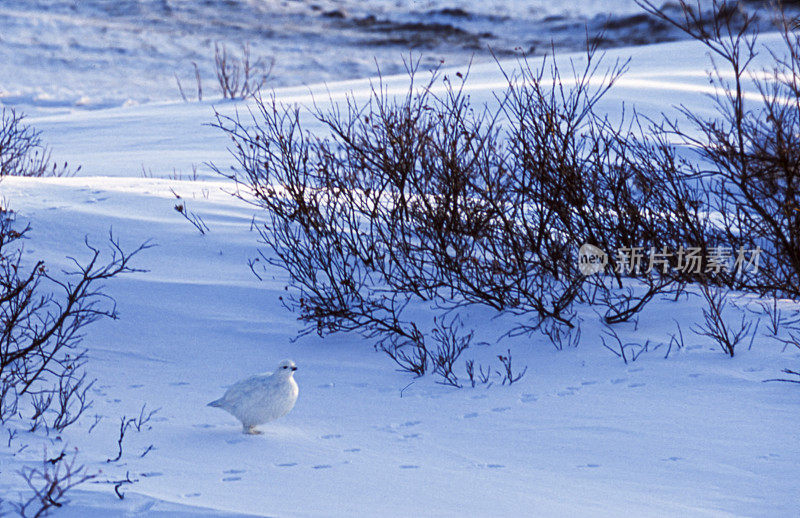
x,y
56,55
582,434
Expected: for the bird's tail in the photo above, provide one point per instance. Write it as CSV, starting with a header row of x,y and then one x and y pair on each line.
x,y
216,404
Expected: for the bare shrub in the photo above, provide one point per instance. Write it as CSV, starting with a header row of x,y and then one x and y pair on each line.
x,y
627,351
195,219
778,322
561,335
790,372
676,340
419,198
137,423
240,77
423,198
725,333
73,399
748,155
482,376
349,218
507,374
198,82
50,483
449,345
118,484
42,317
558,175
22,152
426,199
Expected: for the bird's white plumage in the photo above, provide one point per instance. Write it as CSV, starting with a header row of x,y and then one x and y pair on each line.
x,y
261,398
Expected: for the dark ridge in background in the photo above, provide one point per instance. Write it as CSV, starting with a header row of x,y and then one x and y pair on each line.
x,y
141,44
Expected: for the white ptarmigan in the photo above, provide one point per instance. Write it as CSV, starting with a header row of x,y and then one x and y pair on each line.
x,y
261,398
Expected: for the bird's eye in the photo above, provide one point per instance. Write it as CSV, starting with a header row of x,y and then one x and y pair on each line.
x,y
285,367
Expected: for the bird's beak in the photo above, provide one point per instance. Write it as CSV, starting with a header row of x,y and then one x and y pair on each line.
x,y
294,368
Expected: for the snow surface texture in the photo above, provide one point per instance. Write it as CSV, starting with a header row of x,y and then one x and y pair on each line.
x,y
582,434
62,54
262,398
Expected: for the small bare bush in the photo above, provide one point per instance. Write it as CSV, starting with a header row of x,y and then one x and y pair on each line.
x,y
725,333
182,208
508,375
50,482
794,377
238,76
449,344
22,152
198,82
482,375
627,351
137,423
